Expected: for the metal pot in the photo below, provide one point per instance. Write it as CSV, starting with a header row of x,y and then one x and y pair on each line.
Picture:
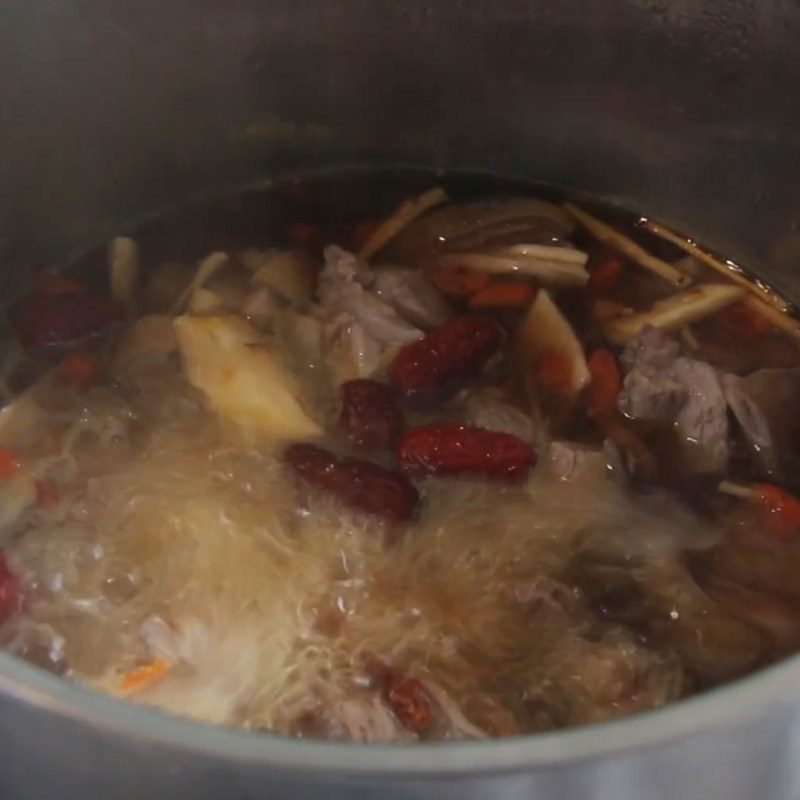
x,y
684,109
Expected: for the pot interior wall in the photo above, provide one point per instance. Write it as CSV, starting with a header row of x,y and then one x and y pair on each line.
x,y
114,110
684,109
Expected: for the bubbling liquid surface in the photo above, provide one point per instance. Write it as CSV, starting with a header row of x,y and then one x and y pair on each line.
x,y
158,545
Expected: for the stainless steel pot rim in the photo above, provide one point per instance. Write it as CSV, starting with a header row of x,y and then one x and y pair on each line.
x,y
747,699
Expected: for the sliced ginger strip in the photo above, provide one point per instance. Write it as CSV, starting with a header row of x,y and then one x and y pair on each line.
x,y
675,312
759,298
727,269
405,214
605,234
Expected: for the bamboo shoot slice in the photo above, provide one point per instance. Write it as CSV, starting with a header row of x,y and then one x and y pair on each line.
x,y
546,329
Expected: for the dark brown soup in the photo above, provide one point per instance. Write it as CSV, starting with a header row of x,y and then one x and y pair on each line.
x,y
487,464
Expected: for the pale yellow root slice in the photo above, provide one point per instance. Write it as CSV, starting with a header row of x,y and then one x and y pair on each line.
x,y
148,341
545,329
405,214
546,271
675,312
607,235
737,490
206,270
243,380
727,269
123,266
548,252
288,273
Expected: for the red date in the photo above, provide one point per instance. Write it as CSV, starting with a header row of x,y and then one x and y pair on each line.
x,y
448,353
446,449
370,414
55,322
9,590
360,484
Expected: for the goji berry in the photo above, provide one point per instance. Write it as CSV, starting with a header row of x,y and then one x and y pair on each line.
x,y
459,283
553,371
9,590
604,274
304,233
82,370
410,703
742,322
9,466
46,494
361,484
370,414
50,283
503,294
453,351
778,511
605,386
447,449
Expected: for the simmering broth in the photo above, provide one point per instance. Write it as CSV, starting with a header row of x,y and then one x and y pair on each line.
x,y
491,464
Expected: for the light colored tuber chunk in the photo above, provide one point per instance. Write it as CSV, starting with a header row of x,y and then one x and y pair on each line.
x,y
289,273
206,270
22,421
546,329
205,301
147,342
302,335
164,285
243,380
17,495
675,312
